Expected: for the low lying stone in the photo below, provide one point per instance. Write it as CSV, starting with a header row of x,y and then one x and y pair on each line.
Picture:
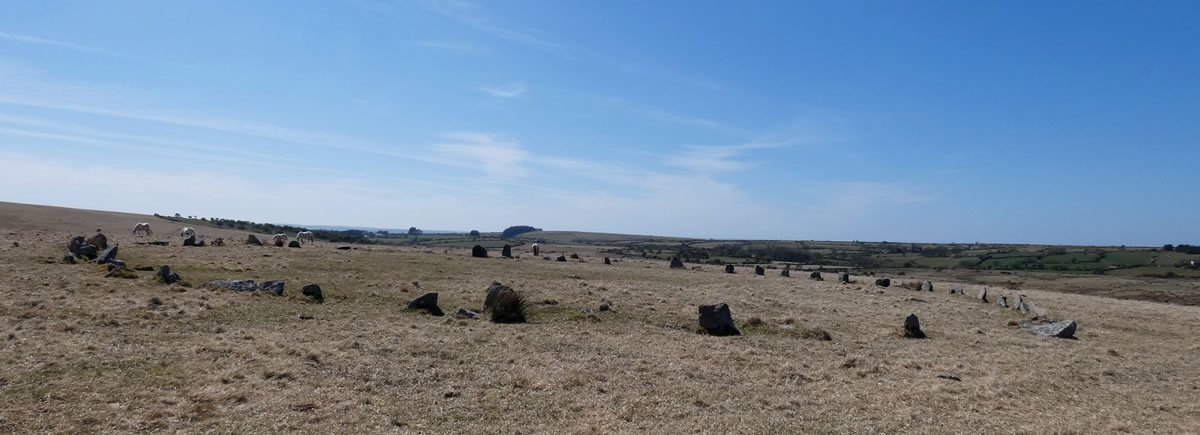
x,y
108,255
758,270
464,313
427,302
115,264
343,248
190,241
294,244
1062,329
815,276
479,252
561,258
730,269
313,291
927,286
252,240
883,282
844,277
274,286
785,273
87,252
167,276
232,284
676,263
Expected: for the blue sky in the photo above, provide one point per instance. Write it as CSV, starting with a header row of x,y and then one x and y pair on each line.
x,y
1069,122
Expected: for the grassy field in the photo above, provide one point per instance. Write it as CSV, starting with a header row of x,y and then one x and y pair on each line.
x,y
84,353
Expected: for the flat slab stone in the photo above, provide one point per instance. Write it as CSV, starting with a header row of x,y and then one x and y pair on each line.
x,y
1061,329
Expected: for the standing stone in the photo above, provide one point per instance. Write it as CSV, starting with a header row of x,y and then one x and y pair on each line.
x,y
607,261
506,252
274,286
100,241
717,320
844,277
1003,301
729,269
676,263
313,291
912,327
927,286
427,302
492,293
536,249
166,275
1063,329
190,241
1024,308
75,245
108,255
478,252
294,244
883,282
758,270
786,273
816,275
253,241
983,295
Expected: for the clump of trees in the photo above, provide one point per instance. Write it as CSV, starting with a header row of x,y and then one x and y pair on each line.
x,y
414,231
473,233
517,230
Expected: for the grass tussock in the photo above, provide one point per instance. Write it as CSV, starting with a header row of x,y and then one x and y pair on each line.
x,y
510,307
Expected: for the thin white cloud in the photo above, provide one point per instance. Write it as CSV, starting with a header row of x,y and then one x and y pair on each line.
x,y
462,46
511,90
495,156
715,158
61,44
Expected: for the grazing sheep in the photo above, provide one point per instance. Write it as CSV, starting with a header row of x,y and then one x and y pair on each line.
x,y
187,232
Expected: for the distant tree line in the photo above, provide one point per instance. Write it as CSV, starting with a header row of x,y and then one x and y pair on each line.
x,y
517,230
1183,248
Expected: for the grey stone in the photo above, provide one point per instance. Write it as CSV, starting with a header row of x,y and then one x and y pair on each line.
x,y
561,258
75,244
883,282
1024,308
927,286
758,270
607,261
427,302
816,275
252,240
785,273
506,252
480,252
717,320
1062,329
115,264
730,269
676,263
108,255
983,295
1003,301
912,327
844,277
274,286
465,313
294,244
313,291
69,258
166,275
232,284
87,252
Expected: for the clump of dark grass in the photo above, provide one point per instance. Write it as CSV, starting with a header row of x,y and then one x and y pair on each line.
x,y
509,307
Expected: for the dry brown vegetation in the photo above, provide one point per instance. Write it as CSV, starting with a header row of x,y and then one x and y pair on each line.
x,y
84,353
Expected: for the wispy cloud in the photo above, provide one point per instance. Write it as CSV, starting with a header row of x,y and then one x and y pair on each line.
x,y
662,115
715,158
511,90
61,44
464,46
495,156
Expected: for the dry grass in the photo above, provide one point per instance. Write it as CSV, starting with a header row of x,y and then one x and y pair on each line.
x,y
85,353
